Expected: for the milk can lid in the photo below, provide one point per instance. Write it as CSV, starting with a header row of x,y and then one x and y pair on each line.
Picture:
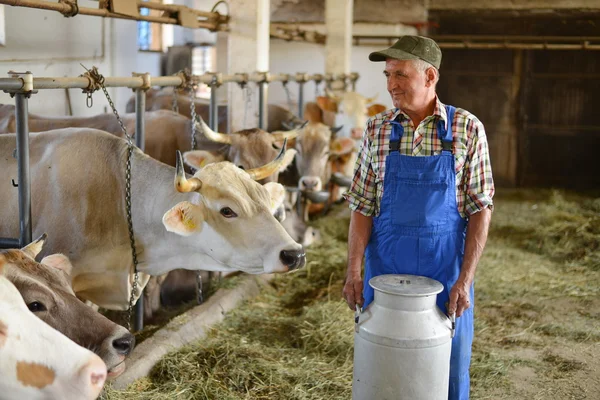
x,y
406,285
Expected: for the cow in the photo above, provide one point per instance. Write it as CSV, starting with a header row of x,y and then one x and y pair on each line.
x,y
165,133
46,289
162,99
278,118
319,155
78,196
349,109
247,149
38,362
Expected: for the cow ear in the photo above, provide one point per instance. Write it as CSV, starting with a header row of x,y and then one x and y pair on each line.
x,y
341,146
200,158
375,109
58,261
34,248
184,219
327,104
277,195
288,157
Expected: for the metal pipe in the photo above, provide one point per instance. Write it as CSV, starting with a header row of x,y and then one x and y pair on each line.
x,y
83,82
262,104
140,136
213,114
66,9
140,123
9,243
21,113
300,100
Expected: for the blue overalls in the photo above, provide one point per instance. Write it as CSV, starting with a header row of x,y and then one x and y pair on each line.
x,y
420,232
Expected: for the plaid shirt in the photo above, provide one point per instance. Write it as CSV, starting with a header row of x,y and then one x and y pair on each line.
x,y
474,183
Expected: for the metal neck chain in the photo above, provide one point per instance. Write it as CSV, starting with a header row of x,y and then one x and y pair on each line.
x,y
193,113
200,295
130,146
175,103
248,92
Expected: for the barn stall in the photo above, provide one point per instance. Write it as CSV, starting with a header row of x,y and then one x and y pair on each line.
x,y
535,331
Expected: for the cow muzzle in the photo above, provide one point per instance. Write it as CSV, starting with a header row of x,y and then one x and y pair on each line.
x,y
293,259
310,183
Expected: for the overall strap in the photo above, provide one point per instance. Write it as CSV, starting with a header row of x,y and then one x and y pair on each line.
x,y
445,130
397,133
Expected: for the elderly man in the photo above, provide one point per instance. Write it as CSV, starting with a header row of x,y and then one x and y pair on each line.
x,y
421,195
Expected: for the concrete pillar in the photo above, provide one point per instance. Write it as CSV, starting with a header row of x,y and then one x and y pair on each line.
x,y
244,49
338,21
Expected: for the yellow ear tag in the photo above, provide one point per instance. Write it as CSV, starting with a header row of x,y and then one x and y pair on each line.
x,y
187,221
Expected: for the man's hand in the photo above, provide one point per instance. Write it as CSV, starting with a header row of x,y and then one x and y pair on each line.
x,y
352,292
460,299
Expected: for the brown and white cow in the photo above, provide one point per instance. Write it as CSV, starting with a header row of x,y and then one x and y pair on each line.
x,y
46,289
247,149
78,189
278,118
319,156
166,131
38,362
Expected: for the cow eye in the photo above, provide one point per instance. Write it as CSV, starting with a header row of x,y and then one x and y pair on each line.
x,y
228,212
241,167
275,147
36,306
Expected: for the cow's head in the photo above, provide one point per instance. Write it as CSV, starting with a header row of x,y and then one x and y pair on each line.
x,y
351,110
46,289
36,361
313,154
231,217
248,149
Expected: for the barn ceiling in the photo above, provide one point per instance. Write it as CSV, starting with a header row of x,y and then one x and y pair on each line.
x,y
569,15
386,11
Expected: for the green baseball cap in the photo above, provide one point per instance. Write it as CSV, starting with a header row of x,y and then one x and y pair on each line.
x,y
411,48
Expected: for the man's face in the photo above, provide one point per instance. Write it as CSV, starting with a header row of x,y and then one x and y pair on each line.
x,y
406,84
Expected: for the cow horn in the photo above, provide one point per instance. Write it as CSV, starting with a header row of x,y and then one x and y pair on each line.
x,y
291,134
268,169
212,135
370,100
182,184
336,129
332,95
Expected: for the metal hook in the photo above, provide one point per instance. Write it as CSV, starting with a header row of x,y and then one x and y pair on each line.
x,y
89,101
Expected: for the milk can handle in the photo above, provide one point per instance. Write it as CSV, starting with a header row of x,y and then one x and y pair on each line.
x,y
452,318
357,313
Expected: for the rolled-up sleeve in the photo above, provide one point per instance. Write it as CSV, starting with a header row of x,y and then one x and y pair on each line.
x,y
362,194
478,180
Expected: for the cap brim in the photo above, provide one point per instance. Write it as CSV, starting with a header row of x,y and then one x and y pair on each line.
x,y
391,53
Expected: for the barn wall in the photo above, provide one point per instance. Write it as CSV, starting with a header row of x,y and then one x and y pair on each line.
x,y
292,57
489,90
48,44
539,107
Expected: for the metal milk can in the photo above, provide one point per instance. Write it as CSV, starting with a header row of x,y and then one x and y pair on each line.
x,y
402,342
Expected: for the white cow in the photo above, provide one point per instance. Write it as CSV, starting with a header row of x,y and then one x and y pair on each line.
x,y
223,223
38,362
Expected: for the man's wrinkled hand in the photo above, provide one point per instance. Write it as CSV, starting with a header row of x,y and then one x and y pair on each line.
x,y
460,299
352,292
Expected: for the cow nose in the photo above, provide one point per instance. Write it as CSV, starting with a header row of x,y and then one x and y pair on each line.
x,y
124,344
293,259
92,376
308,183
